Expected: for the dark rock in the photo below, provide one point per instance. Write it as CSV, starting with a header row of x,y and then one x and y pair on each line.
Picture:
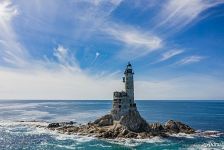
x,y
134,122
131,135
124,132
143,135
104,121
67,123
107,134
177,127
53,125
156,127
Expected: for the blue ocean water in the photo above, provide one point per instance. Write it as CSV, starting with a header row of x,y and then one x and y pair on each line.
x,y
205,116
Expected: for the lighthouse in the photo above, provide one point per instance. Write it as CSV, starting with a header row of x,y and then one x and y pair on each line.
x,y
129,83
123,101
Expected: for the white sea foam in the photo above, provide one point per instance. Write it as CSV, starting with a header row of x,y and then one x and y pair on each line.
x,y
183,135
211,145
136,142
73,146
209,134
100,145
9,123
205,134
77,138
67,147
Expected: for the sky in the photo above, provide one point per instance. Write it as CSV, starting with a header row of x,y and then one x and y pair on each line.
x,y
78,49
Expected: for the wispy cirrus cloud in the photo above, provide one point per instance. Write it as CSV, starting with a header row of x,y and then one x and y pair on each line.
x,y
175,14
7,11
66,59
11,51
190,60
137,43
92,20
169,54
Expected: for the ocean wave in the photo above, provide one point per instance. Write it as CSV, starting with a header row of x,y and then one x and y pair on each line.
x,y
137,142
9,123
18,106
207,146
46,144
38,128
204,134
77,138
183,135
100,145
210,134
67,147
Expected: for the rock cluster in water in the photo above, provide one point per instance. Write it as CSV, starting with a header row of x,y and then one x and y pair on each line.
x,y
131,125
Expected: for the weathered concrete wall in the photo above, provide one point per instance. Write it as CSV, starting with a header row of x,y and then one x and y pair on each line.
x,y
123,102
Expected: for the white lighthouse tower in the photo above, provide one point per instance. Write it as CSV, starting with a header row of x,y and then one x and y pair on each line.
x,y
123,102
129,83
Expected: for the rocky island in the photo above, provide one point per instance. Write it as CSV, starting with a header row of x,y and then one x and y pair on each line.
x,y
124,120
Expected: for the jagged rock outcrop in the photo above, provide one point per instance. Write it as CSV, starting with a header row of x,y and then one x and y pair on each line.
x,y
53,125
105,127
177,127
134,122
155,127
105,120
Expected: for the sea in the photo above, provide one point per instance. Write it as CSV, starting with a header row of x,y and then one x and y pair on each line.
x,y
204,116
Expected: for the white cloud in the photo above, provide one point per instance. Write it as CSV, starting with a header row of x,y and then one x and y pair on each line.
x,y
98,2
66,59
60,84
137,43
190,60
91,20
7,11
169,54
176,14
196,87
11,51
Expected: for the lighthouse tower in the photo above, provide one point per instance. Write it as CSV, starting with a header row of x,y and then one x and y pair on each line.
x,y
123,102
129,83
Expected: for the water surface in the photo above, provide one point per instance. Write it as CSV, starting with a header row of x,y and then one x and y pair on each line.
x,y
201,115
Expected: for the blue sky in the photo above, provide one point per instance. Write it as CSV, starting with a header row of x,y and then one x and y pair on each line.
x,y
77,49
